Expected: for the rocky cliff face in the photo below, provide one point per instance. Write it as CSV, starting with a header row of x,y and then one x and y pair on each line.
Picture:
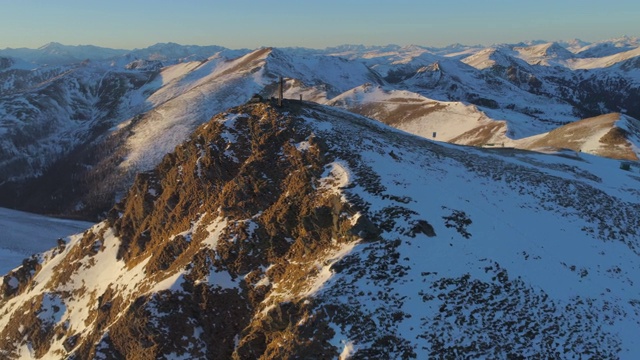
x,y
309,232
237,199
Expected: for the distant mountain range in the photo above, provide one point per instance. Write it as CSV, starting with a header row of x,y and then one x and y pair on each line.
x,y
58,54
78,122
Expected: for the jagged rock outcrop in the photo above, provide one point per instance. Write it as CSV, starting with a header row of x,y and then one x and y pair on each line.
x,y
243,168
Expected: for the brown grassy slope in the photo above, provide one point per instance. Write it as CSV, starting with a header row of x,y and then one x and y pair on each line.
x,y
613,144
402,111
482,135
420,116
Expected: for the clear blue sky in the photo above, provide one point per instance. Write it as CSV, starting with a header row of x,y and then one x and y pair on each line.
x,y
311,23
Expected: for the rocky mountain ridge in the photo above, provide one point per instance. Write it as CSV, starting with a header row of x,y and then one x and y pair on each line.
x,y
75,135
309,232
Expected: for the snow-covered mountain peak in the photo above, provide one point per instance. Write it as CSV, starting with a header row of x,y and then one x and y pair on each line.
x,y
52,47
221,82
574,45
438,120
625,40
608,47
544,54
171,53
416,49
489,57
617,57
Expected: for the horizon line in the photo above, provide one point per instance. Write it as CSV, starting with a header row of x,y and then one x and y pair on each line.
x,y
527,41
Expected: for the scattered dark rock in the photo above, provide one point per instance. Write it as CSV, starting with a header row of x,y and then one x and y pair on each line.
x,y
422,227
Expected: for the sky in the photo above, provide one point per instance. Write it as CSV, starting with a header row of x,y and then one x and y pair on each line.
x,y
315,24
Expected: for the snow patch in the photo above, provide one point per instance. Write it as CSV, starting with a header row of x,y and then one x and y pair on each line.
x,y
172,283
324,268
335,177
303,146
222,279
52,309
348,350
215,230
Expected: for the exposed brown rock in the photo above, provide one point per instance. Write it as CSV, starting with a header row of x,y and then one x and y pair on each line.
x,y
265,189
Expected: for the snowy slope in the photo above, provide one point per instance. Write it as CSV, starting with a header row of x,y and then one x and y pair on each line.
x,y
443,79
309,231
604,61
549,54
606,47
23,234
506,196
189,93
612,135
450,121
48,112
490,57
